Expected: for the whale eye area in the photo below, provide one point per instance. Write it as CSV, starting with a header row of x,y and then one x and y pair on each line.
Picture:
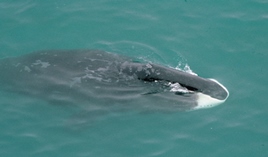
x,y
190,88
149,79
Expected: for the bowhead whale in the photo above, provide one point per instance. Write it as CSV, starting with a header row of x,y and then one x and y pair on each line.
x,y
100,78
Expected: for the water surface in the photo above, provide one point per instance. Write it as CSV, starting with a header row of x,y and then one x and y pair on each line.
x,y
225,40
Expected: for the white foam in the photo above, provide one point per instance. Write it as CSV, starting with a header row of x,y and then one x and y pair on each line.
x,y
43,64
176,87
186,68
26,68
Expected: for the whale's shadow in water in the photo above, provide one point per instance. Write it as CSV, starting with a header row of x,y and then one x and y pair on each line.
x,y
100,82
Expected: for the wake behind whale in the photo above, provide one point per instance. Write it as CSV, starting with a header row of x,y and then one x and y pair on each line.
x,y
106,81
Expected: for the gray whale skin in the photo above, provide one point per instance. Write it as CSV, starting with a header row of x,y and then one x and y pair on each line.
x,y
101,78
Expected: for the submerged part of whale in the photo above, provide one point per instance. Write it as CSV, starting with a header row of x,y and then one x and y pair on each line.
x,y
105,80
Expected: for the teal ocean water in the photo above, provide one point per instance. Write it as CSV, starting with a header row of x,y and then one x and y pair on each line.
x,y
225,40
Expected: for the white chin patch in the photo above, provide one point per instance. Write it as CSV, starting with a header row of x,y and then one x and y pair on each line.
x,y
206,101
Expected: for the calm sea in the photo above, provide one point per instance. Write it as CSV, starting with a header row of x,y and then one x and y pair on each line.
x,y
224,39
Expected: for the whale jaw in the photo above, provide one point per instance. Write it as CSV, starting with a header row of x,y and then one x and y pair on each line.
x,y
205,101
